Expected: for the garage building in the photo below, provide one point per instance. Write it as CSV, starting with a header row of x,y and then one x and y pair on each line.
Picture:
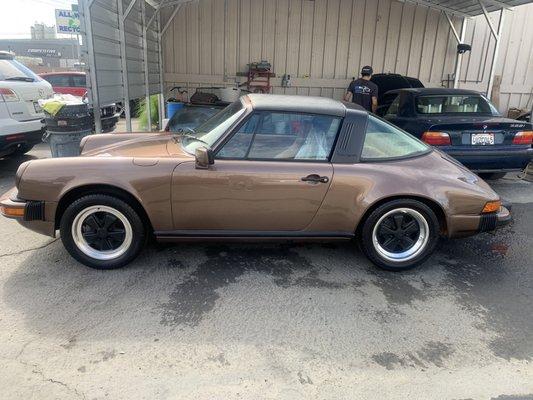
x,y
321,44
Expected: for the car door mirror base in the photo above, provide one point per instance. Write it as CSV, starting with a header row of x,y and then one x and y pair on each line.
x,y
204,157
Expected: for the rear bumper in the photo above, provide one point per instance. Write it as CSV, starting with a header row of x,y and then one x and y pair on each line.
x,y
14,134
468,225
10,143
493,160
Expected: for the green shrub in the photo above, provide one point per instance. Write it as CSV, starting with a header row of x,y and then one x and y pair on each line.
x,y
142,111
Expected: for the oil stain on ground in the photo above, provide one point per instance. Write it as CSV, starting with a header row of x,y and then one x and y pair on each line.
x,y
197,295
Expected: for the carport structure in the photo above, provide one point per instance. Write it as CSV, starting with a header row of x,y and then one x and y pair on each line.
x,y
128,47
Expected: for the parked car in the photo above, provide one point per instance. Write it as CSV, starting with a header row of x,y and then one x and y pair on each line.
x,y
75,84
20,114
266,167
388,82
68,82
465,125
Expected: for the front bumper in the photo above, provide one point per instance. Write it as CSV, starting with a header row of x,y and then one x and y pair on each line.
x,y
37,216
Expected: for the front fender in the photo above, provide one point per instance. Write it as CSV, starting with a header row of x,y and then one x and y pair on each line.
x,y
51,179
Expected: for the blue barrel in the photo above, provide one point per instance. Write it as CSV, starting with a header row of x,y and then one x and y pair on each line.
x,y
172,107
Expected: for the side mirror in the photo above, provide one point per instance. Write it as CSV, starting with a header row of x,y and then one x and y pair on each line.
x,y
204,157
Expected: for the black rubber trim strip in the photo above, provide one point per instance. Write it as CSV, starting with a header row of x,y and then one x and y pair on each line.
x,y
252,234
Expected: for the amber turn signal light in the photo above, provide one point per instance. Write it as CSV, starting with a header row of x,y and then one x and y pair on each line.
x,y
14,212
492,206
436,138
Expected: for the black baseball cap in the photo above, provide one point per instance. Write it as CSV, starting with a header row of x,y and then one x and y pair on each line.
x,y
367,70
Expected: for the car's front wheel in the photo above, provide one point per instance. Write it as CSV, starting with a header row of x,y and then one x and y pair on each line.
x,y
102,231
400,234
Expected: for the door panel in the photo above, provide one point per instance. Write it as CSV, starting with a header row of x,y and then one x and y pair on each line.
x,y
248,195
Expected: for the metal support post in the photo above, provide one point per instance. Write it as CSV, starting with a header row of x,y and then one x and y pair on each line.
x,y
146,72
161,74
497,37
124,63
459,59
86,5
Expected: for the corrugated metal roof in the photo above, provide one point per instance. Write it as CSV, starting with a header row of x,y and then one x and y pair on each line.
x,y
469,8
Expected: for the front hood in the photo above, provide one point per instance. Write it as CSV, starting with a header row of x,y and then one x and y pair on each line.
x,y
138,146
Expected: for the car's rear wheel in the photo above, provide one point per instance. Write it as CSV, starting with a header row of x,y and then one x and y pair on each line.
x,y
22,149
400,234
102,231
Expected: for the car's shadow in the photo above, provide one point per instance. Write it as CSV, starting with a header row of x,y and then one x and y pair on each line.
x,y
182,286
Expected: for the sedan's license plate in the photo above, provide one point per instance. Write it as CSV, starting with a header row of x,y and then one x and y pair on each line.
x,y
482,139
37,107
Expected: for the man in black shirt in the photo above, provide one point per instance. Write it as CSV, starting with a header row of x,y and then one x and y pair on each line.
x,y
362,91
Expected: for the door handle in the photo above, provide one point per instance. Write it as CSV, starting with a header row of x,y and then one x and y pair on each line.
x,y
315,178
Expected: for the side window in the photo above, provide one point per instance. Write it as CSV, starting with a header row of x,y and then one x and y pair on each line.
x,y
238,145
383,140
393,108
284,136
79,81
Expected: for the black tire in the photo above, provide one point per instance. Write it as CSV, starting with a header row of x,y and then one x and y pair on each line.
x,y
419,256
22,149
491,175
137,234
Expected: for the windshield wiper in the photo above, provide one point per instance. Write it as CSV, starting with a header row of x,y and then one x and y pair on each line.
x,y
20,78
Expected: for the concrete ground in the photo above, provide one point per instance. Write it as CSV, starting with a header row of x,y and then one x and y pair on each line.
x,y
197,321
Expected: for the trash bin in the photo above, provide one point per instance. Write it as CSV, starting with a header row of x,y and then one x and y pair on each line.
x,y
172,107
66,128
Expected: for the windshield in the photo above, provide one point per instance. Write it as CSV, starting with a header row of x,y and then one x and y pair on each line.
x,y
12,70
211,130
454,104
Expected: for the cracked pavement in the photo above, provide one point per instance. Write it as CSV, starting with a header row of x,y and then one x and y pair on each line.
x,y
271,321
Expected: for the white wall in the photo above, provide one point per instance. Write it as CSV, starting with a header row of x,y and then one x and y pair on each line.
x,y
515,62
322,44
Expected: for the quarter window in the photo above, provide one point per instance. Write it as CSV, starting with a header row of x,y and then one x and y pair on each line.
x,y
393,108
283,136
384,141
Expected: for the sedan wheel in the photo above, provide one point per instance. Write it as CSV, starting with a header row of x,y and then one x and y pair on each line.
x,y
400,234
102,232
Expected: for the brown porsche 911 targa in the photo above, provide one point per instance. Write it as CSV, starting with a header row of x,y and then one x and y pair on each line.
x,y
266,167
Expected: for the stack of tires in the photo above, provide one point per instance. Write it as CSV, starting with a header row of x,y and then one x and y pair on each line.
x,y
66,128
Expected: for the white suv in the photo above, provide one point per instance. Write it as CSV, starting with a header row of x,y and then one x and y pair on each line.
x,y
21,125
